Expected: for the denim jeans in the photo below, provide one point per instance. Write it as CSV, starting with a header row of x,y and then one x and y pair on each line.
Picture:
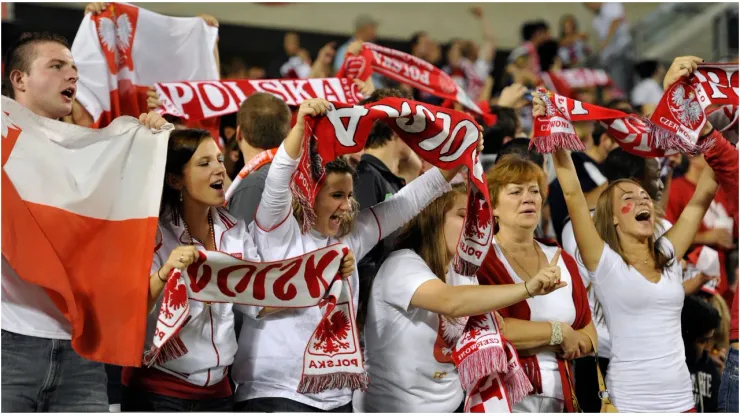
x,y
282,405
47,375
143,401
728,395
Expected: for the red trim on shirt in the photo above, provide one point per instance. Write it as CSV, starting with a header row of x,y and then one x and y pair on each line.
x,y
159,382
273,228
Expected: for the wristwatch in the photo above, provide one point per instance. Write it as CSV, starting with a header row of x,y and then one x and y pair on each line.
x,y
557,333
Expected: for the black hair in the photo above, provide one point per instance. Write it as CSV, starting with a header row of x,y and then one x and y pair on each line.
x,y
548,52
381,134
529,29
599,131
621,164
507,124
20,55
646,69
521,148
415,39
180,149
697,318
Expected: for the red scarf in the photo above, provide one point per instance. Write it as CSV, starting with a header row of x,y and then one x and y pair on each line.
x,y
445,138
406,69
254,164
494,272
673,127
565,81
196,100
332,360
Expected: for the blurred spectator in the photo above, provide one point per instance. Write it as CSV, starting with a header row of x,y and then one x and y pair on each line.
x,y
469,64
573,44
518,68
534,34
235,68
647,93
716,229
293,62
699,320
615,42
365,30
549,58
424,47
506,129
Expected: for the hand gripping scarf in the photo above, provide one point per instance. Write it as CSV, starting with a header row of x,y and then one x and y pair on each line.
x,y
332,360
445,138
673,127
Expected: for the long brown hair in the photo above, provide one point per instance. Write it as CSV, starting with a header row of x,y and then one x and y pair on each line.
x,y
424,234
603,220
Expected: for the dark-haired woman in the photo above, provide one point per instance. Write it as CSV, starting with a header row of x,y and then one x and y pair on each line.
x,y
417,310
269,363
191,219
638,281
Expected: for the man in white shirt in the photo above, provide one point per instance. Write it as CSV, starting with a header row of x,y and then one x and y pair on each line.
x,y
615,42
40,370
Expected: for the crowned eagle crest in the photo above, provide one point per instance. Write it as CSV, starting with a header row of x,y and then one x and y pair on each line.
x,y
686,108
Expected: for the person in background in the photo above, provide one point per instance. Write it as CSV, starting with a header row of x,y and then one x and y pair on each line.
x,y
378,177
589,166
534,34
41,372
418,309
716,228
424,47
647,93
573,43
470,65
615,42
263,122
699,320
549,59
550,330
365,30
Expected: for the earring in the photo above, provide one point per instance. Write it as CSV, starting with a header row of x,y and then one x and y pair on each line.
x,y
180,195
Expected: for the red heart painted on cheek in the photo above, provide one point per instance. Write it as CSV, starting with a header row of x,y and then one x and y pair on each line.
x,y
627,208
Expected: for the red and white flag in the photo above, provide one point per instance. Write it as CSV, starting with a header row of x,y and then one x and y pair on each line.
x,y
124,50
79,219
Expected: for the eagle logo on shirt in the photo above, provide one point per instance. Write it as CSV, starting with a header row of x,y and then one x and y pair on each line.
x,y
685,107
116,28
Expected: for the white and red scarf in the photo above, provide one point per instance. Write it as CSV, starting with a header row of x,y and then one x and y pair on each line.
x,y
489,368
406,69
443,137
332,360
197,100
494,272
254,164
673,127
565,81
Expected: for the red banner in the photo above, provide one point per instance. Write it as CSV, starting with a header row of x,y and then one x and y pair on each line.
x,y
196,100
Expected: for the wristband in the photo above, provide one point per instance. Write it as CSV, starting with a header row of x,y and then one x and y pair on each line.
x,y
557,334
160,277
527,289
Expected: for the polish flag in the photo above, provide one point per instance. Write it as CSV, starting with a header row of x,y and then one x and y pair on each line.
x,y
79,219
124,50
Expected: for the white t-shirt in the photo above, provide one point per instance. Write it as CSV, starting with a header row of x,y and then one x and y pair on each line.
x,y
407,350
571,247
647,91
556,306
28,310
608,13
647,371
269,361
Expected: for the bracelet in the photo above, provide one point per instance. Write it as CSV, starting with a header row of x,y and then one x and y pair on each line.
x,y
160,277
527,289
557,334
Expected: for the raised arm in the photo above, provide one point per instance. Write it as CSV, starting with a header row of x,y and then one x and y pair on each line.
x,y
589,242
277,200
683,232
488,46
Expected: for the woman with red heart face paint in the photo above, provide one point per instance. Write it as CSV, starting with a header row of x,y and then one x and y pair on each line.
x,y
638,281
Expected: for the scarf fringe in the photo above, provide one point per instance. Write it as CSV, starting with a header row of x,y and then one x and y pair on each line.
x,y
669,140
480,364
172,349
314,384
557,141
518,386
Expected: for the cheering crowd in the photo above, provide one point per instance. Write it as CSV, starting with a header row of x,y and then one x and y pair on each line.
x,y
495,244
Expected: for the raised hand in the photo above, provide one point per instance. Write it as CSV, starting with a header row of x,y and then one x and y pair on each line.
x,y
539,109
682,67
511,96
152,99
152,120
547,279
180,258
313,107
96,7
348,265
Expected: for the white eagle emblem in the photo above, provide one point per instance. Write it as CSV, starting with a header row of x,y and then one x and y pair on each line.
x,y
686,109
116,36
450,329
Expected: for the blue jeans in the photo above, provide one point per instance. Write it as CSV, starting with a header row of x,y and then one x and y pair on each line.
x,y
728,396
47,375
